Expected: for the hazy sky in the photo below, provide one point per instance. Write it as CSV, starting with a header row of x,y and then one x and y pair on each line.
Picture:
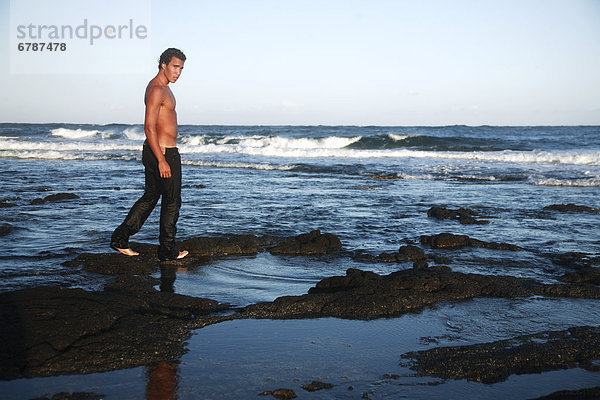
x,y
375,62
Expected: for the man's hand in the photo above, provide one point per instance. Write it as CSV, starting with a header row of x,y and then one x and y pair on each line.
x,y
164,169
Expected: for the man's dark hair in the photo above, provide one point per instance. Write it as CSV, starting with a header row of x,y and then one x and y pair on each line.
x,y
169,53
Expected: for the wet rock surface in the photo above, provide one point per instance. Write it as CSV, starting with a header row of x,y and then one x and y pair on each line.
x,y
464,215
313,243
367,295
225,246
385,177
453,242
576,260
577,347
201,248
583,266
280,394
572,208
583,394
73,396
317,385
5,229
52,331
54,198
6,204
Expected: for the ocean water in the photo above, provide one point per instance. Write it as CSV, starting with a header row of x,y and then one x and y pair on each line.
x,y
287,180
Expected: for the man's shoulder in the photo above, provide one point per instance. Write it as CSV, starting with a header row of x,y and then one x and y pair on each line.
x,y
154,90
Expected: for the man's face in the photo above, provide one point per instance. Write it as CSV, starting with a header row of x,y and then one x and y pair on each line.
x,y
173,69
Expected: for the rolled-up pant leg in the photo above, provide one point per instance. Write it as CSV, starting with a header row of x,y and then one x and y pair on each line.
x,y
143,207
170,189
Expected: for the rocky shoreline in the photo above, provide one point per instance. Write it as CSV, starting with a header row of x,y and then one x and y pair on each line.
x,y
55,331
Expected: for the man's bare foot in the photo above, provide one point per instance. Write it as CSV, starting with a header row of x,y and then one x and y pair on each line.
x,y
127,252
182,254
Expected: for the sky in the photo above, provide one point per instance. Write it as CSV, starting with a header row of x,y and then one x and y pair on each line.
x,y
325,62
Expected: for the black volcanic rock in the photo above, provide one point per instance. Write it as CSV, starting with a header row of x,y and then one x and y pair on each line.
x,y
451,241
52,331
313,243
55,198
5,229
572,208
494,362
367,295
464,215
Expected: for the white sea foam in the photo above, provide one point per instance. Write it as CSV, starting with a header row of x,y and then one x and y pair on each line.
x,y
278,142
68,146
264,167
336,147
278,146
397,137
592,182
74,133
134,133
55,155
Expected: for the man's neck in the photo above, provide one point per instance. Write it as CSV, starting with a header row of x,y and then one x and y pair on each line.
x,y
162,79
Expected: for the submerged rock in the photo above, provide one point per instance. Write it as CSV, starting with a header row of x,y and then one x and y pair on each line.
x,y
573,208
55,198
52,331
464,215
317,385
5,229
280,394
451,241
576,260
583,264
493,362
582,394
583,275
385,176
73,396
367,295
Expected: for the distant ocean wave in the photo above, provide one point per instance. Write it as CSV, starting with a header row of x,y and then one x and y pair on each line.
x,y
580,182
220,164
75,133
535,156
275,146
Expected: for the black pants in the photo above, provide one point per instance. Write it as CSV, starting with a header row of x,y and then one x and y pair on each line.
x,y
155,187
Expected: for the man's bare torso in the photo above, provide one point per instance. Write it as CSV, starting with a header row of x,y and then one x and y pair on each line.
x,y
166,125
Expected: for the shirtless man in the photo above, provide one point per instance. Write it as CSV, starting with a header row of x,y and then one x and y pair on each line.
x,y
161,161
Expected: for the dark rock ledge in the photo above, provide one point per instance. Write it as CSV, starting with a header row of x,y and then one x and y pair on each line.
x,y
451,241
584,266
592,393
202,248
54,198
367,295
528,354
572,208
52,331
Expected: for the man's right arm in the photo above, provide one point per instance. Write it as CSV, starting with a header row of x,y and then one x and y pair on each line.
x,y
153,104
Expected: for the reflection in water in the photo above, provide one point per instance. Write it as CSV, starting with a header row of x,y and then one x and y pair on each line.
x,y
163,380
167,278
168,273
163,377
